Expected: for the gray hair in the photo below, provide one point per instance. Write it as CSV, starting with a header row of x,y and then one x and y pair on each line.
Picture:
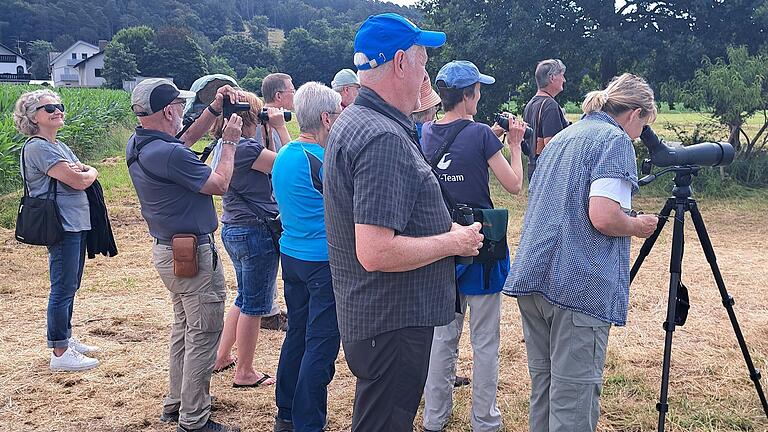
x,y
26,108
273,83
424,116
311,100
546,70
371,76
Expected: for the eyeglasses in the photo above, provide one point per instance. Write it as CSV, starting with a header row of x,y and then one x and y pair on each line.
x,y
286,91
51,108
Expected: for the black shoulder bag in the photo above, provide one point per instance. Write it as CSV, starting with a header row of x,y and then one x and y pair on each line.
x,y
38,221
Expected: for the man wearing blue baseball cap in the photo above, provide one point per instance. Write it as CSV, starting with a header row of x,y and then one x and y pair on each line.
x,y
461,152
391,242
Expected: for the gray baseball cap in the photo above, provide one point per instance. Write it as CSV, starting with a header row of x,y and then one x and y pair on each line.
x,y
154,94
343,78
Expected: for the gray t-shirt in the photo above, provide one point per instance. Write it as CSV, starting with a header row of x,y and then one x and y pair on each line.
x,y
249,197
171,203
40,155
375,175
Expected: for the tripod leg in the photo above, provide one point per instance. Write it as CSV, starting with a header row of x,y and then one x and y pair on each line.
x,y
649,242
675,271
728,301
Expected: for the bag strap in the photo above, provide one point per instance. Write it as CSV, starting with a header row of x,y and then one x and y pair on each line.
x,y
450,203
448,142
52,186
135,158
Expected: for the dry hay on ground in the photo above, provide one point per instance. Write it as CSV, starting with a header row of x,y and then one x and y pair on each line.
x,y
124,308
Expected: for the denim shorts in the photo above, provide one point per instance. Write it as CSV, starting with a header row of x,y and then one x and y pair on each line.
x,y
255,260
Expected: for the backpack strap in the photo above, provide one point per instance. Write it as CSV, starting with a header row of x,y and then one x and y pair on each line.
x,y
52,186
448,142
135,158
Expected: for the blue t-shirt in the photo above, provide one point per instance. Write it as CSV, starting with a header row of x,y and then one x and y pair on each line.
x,y
249,197
297,177
463,169
561,255
174,205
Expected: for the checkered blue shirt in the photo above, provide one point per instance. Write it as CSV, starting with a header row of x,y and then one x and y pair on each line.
x,y
561,255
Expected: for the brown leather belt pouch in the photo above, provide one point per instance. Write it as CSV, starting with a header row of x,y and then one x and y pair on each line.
x,y
184,248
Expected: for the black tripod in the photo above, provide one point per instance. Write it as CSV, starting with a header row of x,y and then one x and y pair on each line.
x,y
677,306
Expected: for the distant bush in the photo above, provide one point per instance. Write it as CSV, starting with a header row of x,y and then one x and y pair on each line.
x,y
90,115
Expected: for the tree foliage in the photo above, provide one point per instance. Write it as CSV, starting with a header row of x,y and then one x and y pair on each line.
x,y
119,65
173,53
38,53
136,40
242,51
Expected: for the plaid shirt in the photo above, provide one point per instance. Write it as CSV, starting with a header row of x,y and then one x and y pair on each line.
x,y
561,255
376,175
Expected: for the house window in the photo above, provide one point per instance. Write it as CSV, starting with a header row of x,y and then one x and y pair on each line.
x,y
74,56
84,56
7,59
19,70
98,73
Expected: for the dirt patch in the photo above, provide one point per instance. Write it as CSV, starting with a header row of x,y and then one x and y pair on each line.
x,y
124,308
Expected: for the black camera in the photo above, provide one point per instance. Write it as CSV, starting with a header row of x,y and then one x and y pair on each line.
x,y
503,120
704,154
229,108
264,116
464,216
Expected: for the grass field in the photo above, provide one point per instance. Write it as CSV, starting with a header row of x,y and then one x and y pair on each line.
x,y
123,307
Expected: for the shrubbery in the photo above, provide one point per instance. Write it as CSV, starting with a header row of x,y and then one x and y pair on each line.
x,y
91,115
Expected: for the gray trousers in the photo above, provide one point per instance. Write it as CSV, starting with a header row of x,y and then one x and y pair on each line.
x,y
484,317
198,308
566,356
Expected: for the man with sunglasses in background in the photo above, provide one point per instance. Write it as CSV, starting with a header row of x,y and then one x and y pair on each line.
x,y
175,191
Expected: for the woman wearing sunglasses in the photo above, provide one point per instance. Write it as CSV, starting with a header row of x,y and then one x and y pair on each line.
x,y
39,115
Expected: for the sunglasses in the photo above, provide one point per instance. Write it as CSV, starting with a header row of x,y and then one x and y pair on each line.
x,y
51,108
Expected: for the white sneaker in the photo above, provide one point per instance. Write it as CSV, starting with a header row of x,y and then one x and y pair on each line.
x,y
72,360
81,347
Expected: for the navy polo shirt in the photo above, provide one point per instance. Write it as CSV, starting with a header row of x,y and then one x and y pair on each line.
x,y
175,204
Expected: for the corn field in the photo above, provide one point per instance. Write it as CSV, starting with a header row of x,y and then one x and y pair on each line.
x,y
90,115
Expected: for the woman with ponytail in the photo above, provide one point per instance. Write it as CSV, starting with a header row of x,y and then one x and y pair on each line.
x,y
571,270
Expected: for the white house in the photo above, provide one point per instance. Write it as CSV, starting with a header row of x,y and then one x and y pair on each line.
x,y
89,70
13,66
63,65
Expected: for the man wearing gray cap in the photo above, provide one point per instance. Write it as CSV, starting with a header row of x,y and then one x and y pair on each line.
x,y
390,239
347,85
174,189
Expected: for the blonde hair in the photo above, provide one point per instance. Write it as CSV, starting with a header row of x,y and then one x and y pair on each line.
x,y
249,117
624,93
26,108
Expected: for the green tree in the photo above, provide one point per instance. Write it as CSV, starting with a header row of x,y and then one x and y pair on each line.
x,y
38,53
252,80
219,65
119,65
735,89
242,52
317,54
136,40
259,28
173,53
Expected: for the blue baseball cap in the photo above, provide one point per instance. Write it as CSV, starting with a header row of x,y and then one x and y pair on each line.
x,y
381,36
461,73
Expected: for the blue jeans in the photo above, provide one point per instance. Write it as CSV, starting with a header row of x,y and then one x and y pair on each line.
x,y
255,260
66,260
308,356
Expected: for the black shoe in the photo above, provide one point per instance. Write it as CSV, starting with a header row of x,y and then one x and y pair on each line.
x,y
210,426
282,425
275,322
461,381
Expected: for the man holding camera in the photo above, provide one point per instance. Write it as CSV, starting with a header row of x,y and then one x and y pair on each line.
x,y
390,238
277,90
543,113
175,192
